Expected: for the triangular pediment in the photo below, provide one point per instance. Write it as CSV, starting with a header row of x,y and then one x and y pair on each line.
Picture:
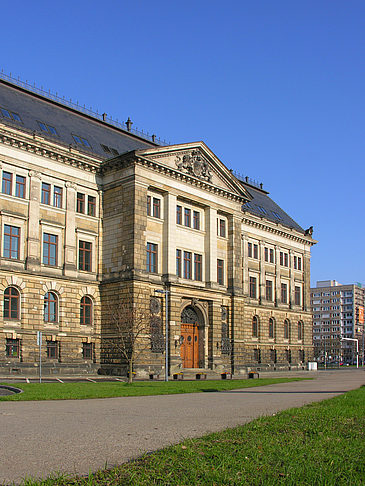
x,y
197,161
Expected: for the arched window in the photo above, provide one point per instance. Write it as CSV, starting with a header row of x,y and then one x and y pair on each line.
x,y
286,329
11,303
86,307
50,307
300,330
255,326
271,327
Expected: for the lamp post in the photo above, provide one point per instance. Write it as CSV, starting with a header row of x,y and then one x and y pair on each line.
x,y
166,292
357,348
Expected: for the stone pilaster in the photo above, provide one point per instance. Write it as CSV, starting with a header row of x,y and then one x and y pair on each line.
x,y
33,259
70,255
211,247
169,238
234,257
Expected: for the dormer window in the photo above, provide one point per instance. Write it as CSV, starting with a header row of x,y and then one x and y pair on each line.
x,y
10,115
47,128
81,141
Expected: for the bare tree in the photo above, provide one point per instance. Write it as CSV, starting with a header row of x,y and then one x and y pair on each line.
x,y
130,327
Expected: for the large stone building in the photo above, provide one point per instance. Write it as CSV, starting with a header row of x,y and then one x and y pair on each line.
x,y
93,213
338,312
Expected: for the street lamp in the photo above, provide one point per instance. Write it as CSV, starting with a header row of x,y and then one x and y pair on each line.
x,y
357,348
166,292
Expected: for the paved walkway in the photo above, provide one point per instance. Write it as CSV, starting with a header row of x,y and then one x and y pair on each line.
x,y
38,438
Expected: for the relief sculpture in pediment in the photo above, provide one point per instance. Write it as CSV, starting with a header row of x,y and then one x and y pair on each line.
x,y
195,165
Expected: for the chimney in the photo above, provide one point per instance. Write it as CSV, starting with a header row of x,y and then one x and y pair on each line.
x,y
104,115
129,124
153,138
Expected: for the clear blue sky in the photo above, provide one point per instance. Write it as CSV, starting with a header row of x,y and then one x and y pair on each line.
x,y
274,88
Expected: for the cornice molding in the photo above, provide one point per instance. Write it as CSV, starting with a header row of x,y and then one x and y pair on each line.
x,y
48,150
286,233
176,174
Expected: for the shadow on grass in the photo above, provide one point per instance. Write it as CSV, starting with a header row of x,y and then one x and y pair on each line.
x,y
250,391
209,390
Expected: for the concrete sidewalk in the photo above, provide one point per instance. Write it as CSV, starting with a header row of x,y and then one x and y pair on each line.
x,y
79,436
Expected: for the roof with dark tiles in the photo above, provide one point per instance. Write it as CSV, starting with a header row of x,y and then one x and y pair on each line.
x,y
262,205
33,108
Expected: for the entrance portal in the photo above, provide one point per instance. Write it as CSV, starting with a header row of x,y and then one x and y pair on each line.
x,y
189,349
190,345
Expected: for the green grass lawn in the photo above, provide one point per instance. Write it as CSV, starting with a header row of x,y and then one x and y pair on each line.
x,y
77,391
319,444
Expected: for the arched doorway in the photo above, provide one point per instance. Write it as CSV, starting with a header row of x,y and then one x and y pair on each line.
x,y
190,338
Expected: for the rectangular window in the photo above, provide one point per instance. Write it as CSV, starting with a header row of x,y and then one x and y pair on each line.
x,y
87,350
284,293
85,249
255,251
57,197
269,290
220,272
156,207
20,186
91,205
52,349
50,246
148,205
297,295
187,265
12,348
284,259
197,267
46,193
266,254
178,215
253,287
151,257
222,228
178,263
249,249
80,203
271,255
187,217
299,263
7,183
196,220
11,242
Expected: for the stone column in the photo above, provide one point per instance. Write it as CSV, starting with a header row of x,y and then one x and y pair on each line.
x,y
33,259
70,255
211,247
169,238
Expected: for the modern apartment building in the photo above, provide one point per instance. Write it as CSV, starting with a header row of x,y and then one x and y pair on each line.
x,y
92,212
338,312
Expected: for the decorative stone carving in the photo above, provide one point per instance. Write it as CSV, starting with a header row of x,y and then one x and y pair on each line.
x,y
34,173
224,313
195,165
155,305
189,316
72,185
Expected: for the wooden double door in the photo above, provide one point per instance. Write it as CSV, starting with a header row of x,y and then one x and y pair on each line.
x,y
189,349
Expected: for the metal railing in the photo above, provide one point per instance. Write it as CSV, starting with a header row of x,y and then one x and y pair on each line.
x,y
247,179
82,108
